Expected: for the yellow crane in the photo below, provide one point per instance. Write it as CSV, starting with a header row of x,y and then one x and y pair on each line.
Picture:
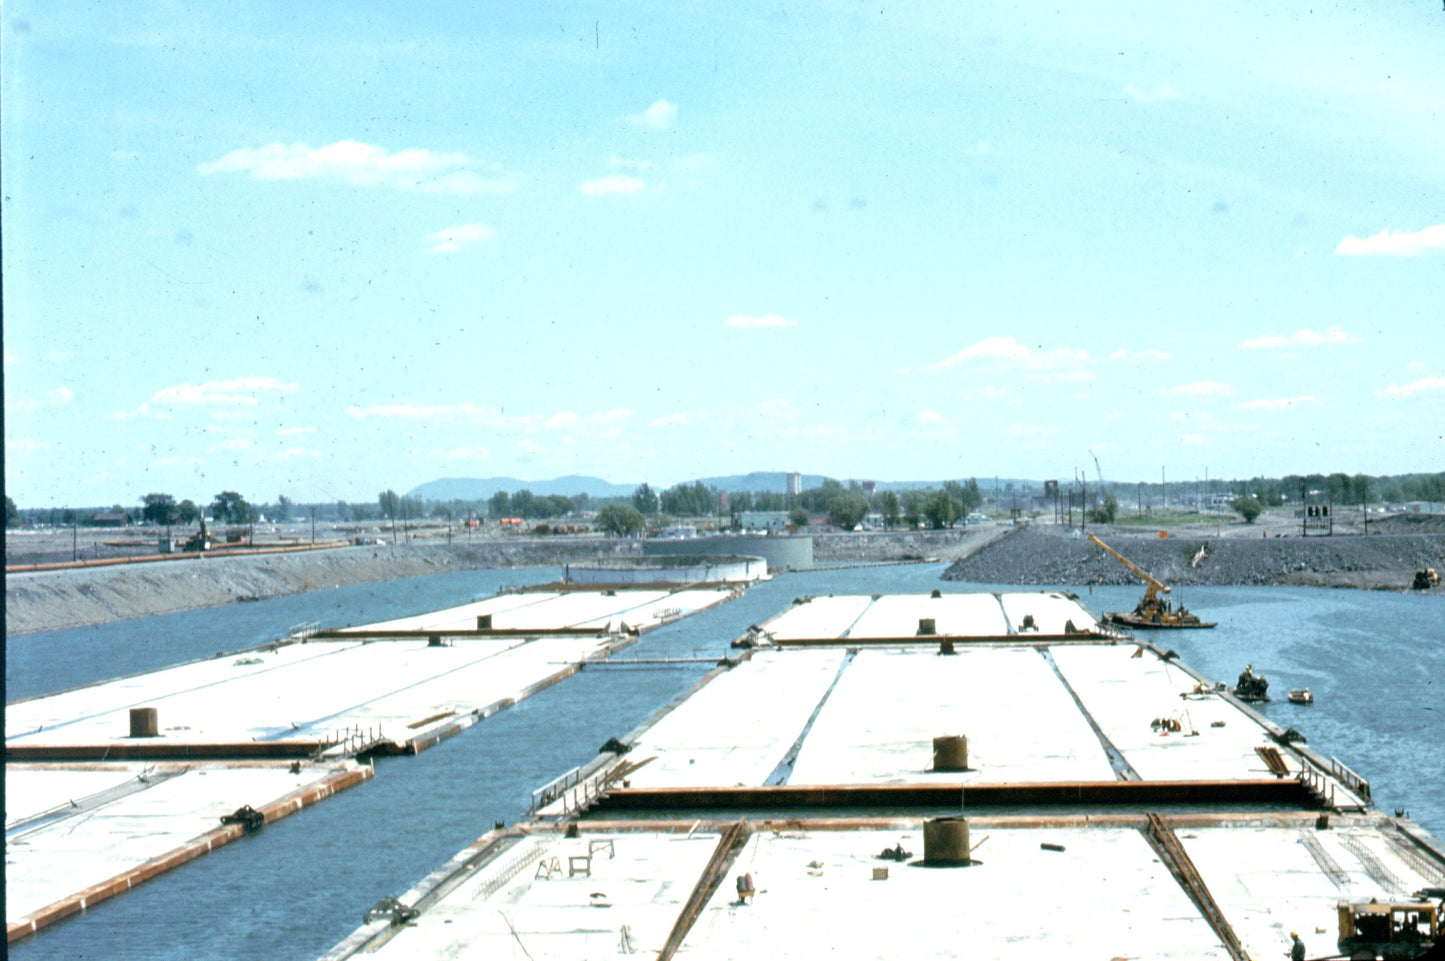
x,y
1152,610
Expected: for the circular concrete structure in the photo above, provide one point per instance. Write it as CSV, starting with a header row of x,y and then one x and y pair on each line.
x,y
782,553
669,569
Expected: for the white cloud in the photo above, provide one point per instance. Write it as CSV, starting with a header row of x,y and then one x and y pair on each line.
x,y
1393,243
680,419
615,184
1013,353
1301,338
1193,440
1423,385
1277,403
659,116
289,454
454,238
51,398
9,357
25,445
235,443
362,165
626,163
424,412
290,431
1071,377
1158,94
1201,388
58,356
1030,430
932,418
761,322
615,416
1141,355
468,454
242,390
563,418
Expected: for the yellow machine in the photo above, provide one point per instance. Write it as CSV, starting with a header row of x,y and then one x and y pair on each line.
x,y
1152,610
1388,929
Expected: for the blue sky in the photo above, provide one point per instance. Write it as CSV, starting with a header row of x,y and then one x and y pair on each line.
x,y
323,249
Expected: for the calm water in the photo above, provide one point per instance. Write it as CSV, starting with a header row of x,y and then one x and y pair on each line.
x,y
1374,661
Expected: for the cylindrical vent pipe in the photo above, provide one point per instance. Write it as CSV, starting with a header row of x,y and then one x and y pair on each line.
x,y
145,722
484,622
945,841
927,625
950,753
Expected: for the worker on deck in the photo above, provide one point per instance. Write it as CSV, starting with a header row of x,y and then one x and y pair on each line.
x,y
1296,950
1246,678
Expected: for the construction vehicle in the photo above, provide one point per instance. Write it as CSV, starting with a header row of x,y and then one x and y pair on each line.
x,y
1152,610
1390,929
1426,579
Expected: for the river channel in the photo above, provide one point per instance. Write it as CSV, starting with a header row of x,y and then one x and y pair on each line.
x,y
1374,661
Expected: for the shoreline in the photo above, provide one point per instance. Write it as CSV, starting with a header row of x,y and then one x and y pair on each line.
x,y
993,554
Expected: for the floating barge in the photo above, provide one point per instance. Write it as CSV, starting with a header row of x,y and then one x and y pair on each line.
x,y
991,775
111,784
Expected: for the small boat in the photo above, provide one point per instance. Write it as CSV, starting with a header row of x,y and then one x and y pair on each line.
x,y
1301,695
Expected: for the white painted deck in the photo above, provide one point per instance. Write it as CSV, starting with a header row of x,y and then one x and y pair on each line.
x,y
550,610
1104,895
738,727
76,841
889,705
864,617
304,692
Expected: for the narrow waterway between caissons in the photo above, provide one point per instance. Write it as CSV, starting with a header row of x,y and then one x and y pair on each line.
x,y
1375,662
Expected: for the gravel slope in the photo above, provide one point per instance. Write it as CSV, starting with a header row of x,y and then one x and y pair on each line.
x,y
1051,556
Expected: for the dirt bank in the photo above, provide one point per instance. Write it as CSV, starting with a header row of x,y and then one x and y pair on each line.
x,y
1043,555
883,546
55,600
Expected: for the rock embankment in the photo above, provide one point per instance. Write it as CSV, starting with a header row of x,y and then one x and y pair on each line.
x,y
55,600
1045,556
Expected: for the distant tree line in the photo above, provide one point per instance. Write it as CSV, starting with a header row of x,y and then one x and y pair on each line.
x,y
937,508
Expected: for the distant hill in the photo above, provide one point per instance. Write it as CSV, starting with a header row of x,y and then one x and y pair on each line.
x,y
481,488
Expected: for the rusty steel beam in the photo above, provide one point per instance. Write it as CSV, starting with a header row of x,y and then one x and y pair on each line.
x,y
157,751
954,795
464,632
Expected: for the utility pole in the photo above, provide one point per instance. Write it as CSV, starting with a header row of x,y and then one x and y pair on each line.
x,y
74,535
313,525
1164,485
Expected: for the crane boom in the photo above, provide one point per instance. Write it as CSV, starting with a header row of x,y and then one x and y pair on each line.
x,y
1154,585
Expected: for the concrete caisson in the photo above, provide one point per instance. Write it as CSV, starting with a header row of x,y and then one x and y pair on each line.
x,y
781,553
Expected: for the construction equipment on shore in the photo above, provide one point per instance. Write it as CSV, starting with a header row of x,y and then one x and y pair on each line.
x,y
1390,929
1426,579
1152,610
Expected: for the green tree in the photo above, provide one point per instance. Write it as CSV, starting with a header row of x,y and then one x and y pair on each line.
x,y
644,500
188,512
283,507
12,513
889,508
1247,507
389,503
798,517
940,509
913,502
230,507
620,519
1106,512
499,505
158,508
846,510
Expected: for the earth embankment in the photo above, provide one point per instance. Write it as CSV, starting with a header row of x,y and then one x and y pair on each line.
x,y
55,600
1053,556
